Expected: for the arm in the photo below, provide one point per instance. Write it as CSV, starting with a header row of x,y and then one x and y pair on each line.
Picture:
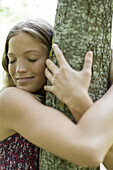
x,y
44,126
84,144
107,101
108,161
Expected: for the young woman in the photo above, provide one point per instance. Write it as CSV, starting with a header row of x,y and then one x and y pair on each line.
x,y
26,123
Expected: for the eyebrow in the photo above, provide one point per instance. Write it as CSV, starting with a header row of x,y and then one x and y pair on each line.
x,y
28,51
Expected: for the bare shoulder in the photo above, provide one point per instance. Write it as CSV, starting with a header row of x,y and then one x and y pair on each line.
x,y
14,97
14,106
15,103
9,99
6,93
7,96
11,93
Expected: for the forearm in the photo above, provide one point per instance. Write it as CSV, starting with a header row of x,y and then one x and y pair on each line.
x,y
97,122
108,161
84,105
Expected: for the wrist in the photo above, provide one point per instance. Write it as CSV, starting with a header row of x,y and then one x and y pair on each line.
x,y
79,104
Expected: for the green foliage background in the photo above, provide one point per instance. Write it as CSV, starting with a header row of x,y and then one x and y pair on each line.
x,y
14,11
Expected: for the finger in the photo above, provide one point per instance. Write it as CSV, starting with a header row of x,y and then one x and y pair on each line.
x,y
88,62
48,88
51,66
59,55
49,75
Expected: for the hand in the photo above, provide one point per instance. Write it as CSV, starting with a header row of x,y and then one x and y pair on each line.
x,y
70,86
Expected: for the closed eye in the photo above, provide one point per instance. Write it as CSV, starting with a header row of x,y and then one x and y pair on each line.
x,y
11,62
32,60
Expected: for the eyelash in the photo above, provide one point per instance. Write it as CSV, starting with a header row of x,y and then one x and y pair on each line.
x,y
32,60
11,62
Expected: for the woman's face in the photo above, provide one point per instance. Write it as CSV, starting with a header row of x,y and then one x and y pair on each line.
x,y
26,62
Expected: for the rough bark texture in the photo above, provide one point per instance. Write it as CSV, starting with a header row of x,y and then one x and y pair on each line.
x,y
80,26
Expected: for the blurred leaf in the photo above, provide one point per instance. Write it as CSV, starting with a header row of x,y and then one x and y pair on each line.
x,y
61,105
1,10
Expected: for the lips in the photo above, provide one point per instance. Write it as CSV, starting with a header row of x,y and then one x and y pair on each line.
x,y
23,80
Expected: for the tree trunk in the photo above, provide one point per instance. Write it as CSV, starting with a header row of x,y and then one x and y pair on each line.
x,y
80,26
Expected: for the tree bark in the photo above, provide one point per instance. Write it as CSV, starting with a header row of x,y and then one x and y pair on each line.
x,y
80,26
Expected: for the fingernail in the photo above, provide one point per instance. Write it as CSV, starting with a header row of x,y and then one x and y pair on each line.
x,y
53,45
44,87
90,53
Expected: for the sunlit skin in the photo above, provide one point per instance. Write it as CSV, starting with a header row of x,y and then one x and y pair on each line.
x,y
27,62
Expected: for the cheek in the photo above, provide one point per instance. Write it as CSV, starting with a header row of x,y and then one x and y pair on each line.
x,y
39,68
11,70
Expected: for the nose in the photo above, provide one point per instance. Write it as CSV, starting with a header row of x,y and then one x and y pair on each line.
x,y
21,66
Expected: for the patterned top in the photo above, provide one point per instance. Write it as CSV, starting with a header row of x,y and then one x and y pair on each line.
x,y
16,153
